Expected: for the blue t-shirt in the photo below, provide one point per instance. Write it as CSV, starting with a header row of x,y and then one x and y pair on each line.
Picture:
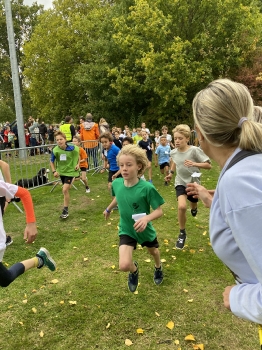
x,y
163,153
111,155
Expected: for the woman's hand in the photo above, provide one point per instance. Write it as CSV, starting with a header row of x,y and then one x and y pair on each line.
x,y
200,192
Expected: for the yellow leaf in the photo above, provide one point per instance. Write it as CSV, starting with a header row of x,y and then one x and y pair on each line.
x,y
34,310
74,247
140,331
41,334
163,260
189,337
128,342
34,291
109,223
62,302
72,302
85,259
21,323
10,306
114,245
200,250
108,325
24,301
199,347
113,267
176,342
192,251
25,296
190,300
55,281
157,314
167,250
148,260
170,325
136,292
174,257
165,240
204,233
98,196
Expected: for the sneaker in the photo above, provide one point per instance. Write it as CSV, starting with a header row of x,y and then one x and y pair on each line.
x,y
194,212
64,214
181,241
166,183
158,276
115,208
133,279
8,241
87,190
47,260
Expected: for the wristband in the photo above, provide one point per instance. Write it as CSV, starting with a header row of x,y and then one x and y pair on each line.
x,y
108,211
54,171
171,172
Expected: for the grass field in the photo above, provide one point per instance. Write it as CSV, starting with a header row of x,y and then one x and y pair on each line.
x,y
90,306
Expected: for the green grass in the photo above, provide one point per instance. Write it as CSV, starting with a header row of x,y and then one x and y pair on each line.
x,y
101,292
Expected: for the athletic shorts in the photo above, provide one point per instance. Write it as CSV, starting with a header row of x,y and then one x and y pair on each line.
x,y
163,165
66,179
181,190
111,173
83,169
127,240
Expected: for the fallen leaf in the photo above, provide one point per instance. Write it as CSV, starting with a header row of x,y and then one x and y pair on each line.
x,y
157,314
200,250
114,245
163,260
34,291
21,323
198,347
190,300
113,267
136,292
34,310
85,259
167,250
192,251
148,260
72,302
24,301
190,337
170,325
55,281
41,334
128,342
176,342
109,223
165,240
140,331
204,233
185,290
108,325
62,302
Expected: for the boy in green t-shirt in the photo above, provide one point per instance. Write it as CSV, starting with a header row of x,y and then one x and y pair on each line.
x,y
134,198
138,136
65,163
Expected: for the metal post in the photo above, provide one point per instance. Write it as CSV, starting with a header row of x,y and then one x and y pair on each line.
x,y
15,78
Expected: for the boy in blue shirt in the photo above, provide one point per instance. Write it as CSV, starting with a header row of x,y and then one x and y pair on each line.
x,y
163,153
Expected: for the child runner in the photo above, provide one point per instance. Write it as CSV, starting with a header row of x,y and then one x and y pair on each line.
x,y
157,142
110,153
138,135
163,153
168,136
82,162
65,163
42,258
134,198
146,144
186,160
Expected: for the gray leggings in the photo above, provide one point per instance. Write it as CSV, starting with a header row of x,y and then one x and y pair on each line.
x,y
7,276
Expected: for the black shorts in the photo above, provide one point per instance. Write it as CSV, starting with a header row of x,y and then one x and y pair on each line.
x,y
163,165
181,190
127,240
111,173
66,179
83,169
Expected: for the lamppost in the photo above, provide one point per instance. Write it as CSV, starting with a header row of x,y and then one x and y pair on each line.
x,y
15,78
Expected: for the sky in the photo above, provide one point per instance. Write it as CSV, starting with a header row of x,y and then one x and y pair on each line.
x,y
47,3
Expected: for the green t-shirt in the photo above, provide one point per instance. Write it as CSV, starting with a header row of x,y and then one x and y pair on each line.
x,y
66,160
135,200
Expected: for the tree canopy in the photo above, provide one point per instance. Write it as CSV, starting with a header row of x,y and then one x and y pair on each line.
x,y
126,60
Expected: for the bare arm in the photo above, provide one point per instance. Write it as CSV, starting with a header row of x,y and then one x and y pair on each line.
x,y
198,191
205,165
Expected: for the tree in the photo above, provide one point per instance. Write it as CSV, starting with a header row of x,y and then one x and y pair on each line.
x,y
24,19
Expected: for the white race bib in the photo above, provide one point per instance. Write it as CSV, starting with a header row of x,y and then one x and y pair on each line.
x,y
63,157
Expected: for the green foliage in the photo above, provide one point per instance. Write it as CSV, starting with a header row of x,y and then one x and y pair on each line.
x,y
121,60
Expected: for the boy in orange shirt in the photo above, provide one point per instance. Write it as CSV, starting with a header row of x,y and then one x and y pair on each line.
x,y
83,161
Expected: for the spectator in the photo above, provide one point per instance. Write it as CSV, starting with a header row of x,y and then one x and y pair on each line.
x,y
89,133
68,128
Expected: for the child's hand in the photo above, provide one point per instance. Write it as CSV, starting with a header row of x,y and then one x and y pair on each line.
x,y
188,163
77,167
30,232
141,224
106,214
168,177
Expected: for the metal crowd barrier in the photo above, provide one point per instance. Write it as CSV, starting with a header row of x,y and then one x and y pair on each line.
x,y
25,163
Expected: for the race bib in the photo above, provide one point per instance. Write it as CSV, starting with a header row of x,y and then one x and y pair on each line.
x,y
63,157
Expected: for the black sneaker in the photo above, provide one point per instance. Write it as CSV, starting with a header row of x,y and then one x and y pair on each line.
x,y
194,212
181,241
133,279
158,275
8,241
64,214
166,183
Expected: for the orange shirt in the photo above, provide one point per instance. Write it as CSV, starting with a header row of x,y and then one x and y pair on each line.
x,y
88,135
83,155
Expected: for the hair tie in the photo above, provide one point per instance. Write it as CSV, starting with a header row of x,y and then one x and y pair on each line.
x,y
241,121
